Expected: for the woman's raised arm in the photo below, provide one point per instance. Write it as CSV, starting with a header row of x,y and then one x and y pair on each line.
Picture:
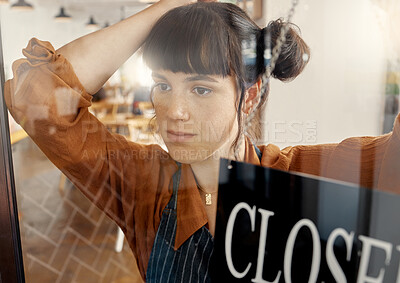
x,y
51,102
96,56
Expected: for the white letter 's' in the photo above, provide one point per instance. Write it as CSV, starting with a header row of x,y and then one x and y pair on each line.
x,y
333,264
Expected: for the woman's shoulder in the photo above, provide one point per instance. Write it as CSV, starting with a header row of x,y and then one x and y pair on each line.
x,y
135,151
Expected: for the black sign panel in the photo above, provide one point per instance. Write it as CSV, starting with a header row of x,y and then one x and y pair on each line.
x,y
275,226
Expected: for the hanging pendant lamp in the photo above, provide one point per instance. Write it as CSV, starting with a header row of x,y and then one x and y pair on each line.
x,y
92,23
21,5
62,16
122,13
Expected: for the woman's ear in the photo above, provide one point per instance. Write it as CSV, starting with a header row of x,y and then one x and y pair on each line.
x,y
252,97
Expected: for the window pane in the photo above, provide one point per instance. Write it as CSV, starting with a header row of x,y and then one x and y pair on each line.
x,y
98,176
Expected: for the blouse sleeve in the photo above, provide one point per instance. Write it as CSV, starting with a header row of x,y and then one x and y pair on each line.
x,y
46,98
372,162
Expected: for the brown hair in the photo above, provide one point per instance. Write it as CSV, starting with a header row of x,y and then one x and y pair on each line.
x,y
207,38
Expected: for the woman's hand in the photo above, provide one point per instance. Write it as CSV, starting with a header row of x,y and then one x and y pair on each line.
x,y
174,3
177,3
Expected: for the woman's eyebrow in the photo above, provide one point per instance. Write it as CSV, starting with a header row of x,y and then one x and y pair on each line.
x,y
200,78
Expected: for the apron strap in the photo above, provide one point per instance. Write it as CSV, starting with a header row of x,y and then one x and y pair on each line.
x,y
175,185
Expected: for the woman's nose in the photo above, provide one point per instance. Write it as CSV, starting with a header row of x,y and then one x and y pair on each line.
x,y
178,108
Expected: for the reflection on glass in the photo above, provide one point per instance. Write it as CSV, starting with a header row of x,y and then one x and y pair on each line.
x,y
204,74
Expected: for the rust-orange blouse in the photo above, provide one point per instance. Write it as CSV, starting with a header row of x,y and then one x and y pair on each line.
x,y
130,182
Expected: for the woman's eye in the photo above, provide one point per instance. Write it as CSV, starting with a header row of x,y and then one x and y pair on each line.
x,y
163,86
202,91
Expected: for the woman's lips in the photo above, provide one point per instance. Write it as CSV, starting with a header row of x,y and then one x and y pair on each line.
x,y
179,136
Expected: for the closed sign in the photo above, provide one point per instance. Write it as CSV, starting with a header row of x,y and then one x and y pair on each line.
x,y
274,226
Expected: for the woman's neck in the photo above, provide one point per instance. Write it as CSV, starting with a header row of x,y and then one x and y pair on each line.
x,y
207,171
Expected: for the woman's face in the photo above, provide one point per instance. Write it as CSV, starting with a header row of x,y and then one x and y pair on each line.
x,y
196,114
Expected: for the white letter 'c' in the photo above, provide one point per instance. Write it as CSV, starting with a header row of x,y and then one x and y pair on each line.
x,y
228,236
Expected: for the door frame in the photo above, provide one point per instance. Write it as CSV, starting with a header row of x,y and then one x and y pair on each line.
x,y
11,261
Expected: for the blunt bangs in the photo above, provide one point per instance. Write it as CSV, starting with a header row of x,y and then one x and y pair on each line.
x,y
192,39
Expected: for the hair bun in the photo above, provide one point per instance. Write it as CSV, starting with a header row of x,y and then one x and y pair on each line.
x,y
294,52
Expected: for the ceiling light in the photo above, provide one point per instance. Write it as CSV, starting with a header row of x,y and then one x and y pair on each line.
x,y
62,16
21,5
122,13
92,23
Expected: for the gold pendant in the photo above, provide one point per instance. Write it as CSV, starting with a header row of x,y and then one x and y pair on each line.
x,y
208,199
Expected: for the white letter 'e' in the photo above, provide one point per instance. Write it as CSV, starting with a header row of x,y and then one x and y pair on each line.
x,y
367,243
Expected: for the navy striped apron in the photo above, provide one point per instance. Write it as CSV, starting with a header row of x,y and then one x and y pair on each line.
x,y
190,262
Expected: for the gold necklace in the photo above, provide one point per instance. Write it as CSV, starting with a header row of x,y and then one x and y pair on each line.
x,y
208,196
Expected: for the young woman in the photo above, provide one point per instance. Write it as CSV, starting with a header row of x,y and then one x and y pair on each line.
x,y
205,85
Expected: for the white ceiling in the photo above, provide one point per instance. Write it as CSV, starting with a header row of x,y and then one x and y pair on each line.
x,y
102,10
